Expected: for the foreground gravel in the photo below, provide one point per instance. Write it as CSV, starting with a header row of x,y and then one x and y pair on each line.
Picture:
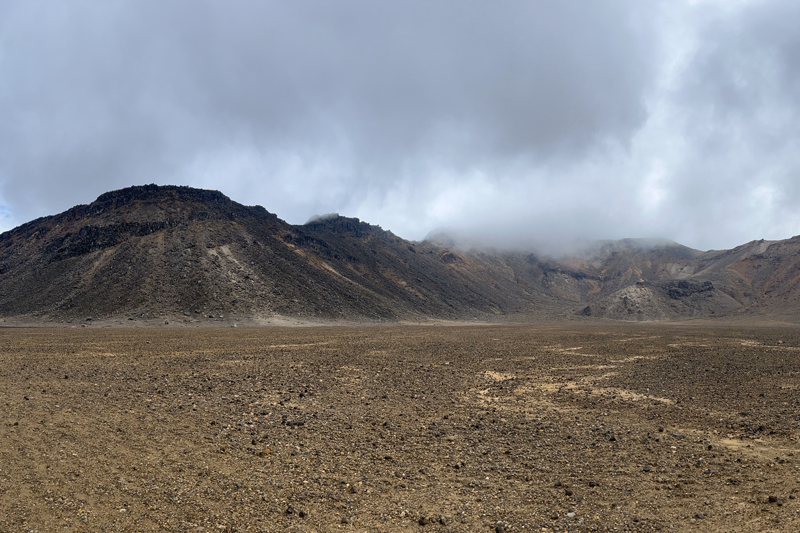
x,y
501,428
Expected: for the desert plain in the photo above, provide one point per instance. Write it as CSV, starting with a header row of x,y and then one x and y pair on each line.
x,y
496,428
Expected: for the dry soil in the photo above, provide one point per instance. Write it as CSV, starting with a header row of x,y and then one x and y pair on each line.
x,y
493,428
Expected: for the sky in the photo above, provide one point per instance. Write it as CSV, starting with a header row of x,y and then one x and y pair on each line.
x,y
507,124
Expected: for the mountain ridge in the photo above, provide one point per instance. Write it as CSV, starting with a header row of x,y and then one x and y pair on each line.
x,y
193,254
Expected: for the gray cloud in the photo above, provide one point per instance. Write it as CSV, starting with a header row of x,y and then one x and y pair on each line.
x,y
518,122
737,106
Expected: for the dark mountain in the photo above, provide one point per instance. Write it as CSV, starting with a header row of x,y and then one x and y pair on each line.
x,y
175,250
171,251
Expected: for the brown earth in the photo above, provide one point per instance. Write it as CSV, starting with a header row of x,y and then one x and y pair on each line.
x,y
493,428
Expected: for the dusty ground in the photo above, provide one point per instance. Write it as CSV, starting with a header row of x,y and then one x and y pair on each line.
x,y
495,428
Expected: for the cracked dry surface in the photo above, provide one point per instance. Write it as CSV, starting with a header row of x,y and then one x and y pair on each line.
x,y
495,428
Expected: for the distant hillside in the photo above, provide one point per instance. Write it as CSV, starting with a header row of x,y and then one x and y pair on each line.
x,y
176,251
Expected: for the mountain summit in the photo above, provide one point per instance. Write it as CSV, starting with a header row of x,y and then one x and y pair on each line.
x,y
168,251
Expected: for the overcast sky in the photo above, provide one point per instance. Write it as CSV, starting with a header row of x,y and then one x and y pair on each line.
x,y
514,121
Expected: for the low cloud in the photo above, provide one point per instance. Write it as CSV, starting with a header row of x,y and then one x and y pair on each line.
x,y
513,123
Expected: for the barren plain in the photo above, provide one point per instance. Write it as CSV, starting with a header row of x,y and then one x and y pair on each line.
x,y
471,428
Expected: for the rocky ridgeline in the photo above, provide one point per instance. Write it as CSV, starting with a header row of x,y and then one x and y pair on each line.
x,y
166,250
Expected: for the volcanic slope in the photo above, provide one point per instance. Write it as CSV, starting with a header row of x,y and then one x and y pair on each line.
x,y
172,251
760,278
166,250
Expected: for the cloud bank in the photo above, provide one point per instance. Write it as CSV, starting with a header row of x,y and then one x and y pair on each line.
x,y
513,123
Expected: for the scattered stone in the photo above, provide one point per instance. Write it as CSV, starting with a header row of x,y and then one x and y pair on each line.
x,y
421,456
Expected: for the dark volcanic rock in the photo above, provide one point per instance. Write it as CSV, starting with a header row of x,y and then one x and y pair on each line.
x,y
681,289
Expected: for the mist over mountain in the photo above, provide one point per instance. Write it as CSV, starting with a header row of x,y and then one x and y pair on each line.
x,y
543,245
191,254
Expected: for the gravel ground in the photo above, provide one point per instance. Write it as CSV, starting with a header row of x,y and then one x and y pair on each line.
x,y
493,428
